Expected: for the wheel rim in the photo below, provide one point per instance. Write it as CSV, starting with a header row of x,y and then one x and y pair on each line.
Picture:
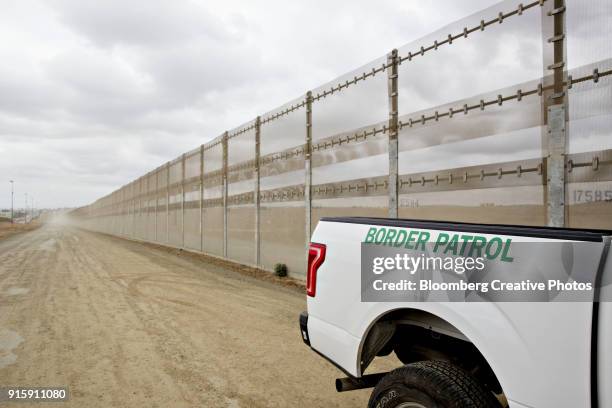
x,y
410,405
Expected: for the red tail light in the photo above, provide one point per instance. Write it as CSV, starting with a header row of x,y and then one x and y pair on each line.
x,y
316,256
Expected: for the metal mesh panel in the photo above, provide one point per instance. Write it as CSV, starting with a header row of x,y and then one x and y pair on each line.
x,y
140,210
175,171
192,215
282,173
353,107
130,210
162,216
213,203
472,149
589,58
350,160
495,57
175,235
241,185
192,164
150,207
486,165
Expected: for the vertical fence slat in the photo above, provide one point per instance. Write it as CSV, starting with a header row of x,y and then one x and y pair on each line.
x,y
393,132
133,201
167,202
156,200
224,186
256,198
308,168
557,127
183,200
148,206
201,198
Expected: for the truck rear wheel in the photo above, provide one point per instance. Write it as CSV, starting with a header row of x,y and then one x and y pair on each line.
x,y
430,384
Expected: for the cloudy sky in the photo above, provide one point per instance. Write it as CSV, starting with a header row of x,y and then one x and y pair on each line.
x,y
96,93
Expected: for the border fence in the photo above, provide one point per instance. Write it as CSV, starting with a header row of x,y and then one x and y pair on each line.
x,y
503,117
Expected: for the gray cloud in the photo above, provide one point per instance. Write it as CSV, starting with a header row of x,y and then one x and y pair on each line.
x,y
94,94
152,23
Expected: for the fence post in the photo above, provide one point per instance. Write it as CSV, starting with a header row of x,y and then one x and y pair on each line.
x,y
308,168
133,209
148,207
201,198
168,203
122,209
392,64
224,186
183,200
256,199
156,199
556,119
139,217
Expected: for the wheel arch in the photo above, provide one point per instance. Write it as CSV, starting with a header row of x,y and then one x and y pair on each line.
x,y
381,337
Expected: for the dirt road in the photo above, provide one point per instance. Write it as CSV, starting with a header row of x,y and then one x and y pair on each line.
x,y
123,324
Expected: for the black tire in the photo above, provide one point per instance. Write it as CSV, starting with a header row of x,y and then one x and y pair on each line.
x,y
432,384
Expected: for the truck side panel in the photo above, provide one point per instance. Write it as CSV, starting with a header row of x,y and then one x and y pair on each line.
x,y
604,341
527,345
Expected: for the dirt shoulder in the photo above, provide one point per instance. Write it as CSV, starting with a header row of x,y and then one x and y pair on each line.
x,y
7,229
257,273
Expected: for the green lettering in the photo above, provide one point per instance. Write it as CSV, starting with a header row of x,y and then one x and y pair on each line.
x,y
478,243
465,239
370,235
411,238
423,238
505,257
498,247
400,241
442,239
380,235
390,235
452,245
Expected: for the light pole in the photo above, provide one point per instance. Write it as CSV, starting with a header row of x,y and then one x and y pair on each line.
x,y
12,195
25,210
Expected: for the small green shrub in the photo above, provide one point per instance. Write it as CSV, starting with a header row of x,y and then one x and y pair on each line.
x,y
280,270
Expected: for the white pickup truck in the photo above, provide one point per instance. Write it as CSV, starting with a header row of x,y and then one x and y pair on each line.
x,y
461,354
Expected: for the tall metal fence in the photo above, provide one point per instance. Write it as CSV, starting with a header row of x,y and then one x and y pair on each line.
x,y
503,117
